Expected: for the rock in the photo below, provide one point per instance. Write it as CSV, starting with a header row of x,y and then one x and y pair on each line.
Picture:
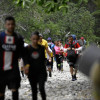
x,y
59,87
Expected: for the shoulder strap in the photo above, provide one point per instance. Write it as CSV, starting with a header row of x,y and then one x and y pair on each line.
x,y
75,43
2,35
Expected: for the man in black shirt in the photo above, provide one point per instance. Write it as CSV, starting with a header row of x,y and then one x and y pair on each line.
x,y
11,48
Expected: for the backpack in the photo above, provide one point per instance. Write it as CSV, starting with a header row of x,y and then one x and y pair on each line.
x,y
71,54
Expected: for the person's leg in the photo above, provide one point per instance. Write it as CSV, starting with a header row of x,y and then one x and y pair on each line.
x,y
2,90
15,94
57,61
71,70
14,85
1,96
49,67
62,63
52,64
75,72
34,88
42,88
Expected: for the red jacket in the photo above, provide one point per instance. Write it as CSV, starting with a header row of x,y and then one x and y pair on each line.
x,y
76,45
67,45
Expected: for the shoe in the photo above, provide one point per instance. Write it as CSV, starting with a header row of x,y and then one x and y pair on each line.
x,y
73,78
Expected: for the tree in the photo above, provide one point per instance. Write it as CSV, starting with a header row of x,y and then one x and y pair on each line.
x,y
50,5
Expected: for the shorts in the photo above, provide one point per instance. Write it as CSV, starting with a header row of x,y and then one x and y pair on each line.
x,y
49,64
72,63
11,84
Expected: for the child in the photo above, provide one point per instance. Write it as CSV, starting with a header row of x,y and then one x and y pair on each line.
x,y
35,66
59,56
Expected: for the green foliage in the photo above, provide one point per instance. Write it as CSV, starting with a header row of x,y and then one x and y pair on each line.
x,y
78,20
50,5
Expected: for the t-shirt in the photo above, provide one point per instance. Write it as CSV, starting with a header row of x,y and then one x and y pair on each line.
x,y
36,59
58,50
45,44
11,49
50,52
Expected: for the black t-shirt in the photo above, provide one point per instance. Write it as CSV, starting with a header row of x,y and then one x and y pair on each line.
x,y
36,59
11,48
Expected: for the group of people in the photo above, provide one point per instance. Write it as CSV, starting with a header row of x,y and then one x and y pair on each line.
x,y
38,58
70,51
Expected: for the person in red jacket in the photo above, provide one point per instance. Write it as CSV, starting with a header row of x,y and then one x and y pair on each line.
x,y
71,48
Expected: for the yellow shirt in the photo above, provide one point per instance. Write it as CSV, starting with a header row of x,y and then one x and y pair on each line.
x,y
45,44
51,54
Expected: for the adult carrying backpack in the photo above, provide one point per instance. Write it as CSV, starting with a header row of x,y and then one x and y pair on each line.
x,y
71,54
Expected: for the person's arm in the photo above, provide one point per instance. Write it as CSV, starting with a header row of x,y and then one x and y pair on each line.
x,y
46,47
25,60
66,47
21,46
78,47
49,49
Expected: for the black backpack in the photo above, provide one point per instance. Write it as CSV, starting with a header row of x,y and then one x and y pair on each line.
x,y
71,54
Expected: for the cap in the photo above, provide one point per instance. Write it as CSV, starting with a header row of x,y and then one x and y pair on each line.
x,y
82,38
49,39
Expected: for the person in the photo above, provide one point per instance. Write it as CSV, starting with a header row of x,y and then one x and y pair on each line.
x,y
44,43
62,56
35,66
51,46
82,43
59,55
49,63
74,37
11,49
72,56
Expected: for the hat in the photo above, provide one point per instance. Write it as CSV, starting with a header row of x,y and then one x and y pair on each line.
x,y
49,39
82,38
74,37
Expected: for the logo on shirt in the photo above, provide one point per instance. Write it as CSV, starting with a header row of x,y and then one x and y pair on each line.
x,y
9,44
9,40
35,55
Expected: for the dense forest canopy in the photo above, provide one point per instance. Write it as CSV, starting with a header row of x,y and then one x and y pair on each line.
x,y
54,18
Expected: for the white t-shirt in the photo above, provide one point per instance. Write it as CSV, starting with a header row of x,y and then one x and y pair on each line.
x,y
50,52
